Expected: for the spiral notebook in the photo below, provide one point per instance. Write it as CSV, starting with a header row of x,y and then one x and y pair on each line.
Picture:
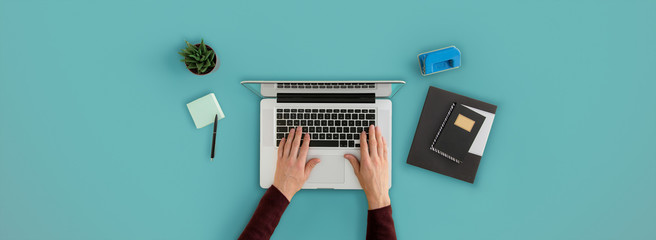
x,y
457,132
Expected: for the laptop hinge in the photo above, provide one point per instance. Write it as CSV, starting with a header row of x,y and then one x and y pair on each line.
x,y
326,98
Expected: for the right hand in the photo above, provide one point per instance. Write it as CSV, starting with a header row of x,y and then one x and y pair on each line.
x,y
373,169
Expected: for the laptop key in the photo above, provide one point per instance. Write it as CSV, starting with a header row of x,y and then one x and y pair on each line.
x,y
371,116
282,129
280,135
323,143
279,115
351,143
281,122
343,144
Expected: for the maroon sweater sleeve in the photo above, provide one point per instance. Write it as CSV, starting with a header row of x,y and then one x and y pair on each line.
x,y
380,224
266,216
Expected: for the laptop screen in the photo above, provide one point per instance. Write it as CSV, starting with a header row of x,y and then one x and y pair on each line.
x,y
269,89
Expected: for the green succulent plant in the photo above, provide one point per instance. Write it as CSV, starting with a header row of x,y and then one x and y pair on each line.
x,y
198,59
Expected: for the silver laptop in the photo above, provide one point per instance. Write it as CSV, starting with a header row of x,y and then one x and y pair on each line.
x,y
334,113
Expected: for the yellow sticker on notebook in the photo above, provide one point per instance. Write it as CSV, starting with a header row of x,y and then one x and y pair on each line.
x,y
464,123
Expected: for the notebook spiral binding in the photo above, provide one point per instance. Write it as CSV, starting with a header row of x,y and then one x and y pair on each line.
x,y
438,134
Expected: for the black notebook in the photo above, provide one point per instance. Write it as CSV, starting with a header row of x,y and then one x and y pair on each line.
x,y
457,132
435,109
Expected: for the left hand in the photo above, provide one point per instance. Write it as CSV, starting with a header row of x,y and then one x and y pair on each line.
x,y
292,170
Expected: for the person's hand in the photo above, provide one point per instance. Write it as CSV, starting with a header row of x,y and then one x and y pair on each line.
x,y
373,169
291,169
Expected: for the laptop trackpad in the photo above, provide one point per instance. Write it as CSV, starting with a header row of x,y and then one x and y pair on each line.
x,y
329,170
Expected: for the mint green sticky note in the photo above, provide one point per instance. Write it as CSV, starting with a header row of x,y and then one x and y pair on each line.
x,y
204,109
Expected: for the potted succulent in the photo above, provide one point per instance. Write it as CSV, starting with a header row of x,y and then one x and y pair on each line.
x,y
200,59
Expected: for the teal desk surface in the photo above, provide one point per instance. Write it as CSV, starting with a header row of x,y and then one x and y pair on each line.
x,y
96,141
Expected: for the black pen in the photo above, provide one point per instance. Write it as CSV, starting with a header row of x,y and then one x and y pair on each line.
x,y
216,120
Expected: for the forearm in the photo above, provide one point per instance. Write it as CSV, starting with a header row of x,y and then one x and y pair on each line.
x,y
380,224
266,216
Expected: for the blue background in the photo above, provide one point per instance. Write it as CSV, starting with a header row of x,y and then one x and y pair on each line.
x,y
96,141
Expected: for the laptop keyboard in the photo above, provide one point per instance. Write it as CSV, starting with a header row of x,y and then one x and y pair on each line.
x,y
326,85
327,127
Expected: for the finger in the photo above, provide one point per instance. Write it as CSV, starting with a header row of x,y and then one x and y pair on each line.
x,y
364,147
297,142
373,145
310,165
302,155
354,162
385,149
379,140
281,146
288,144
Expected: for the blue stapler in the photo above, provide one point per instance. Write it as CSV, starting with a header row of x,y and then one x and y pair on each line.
x,y
439,60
